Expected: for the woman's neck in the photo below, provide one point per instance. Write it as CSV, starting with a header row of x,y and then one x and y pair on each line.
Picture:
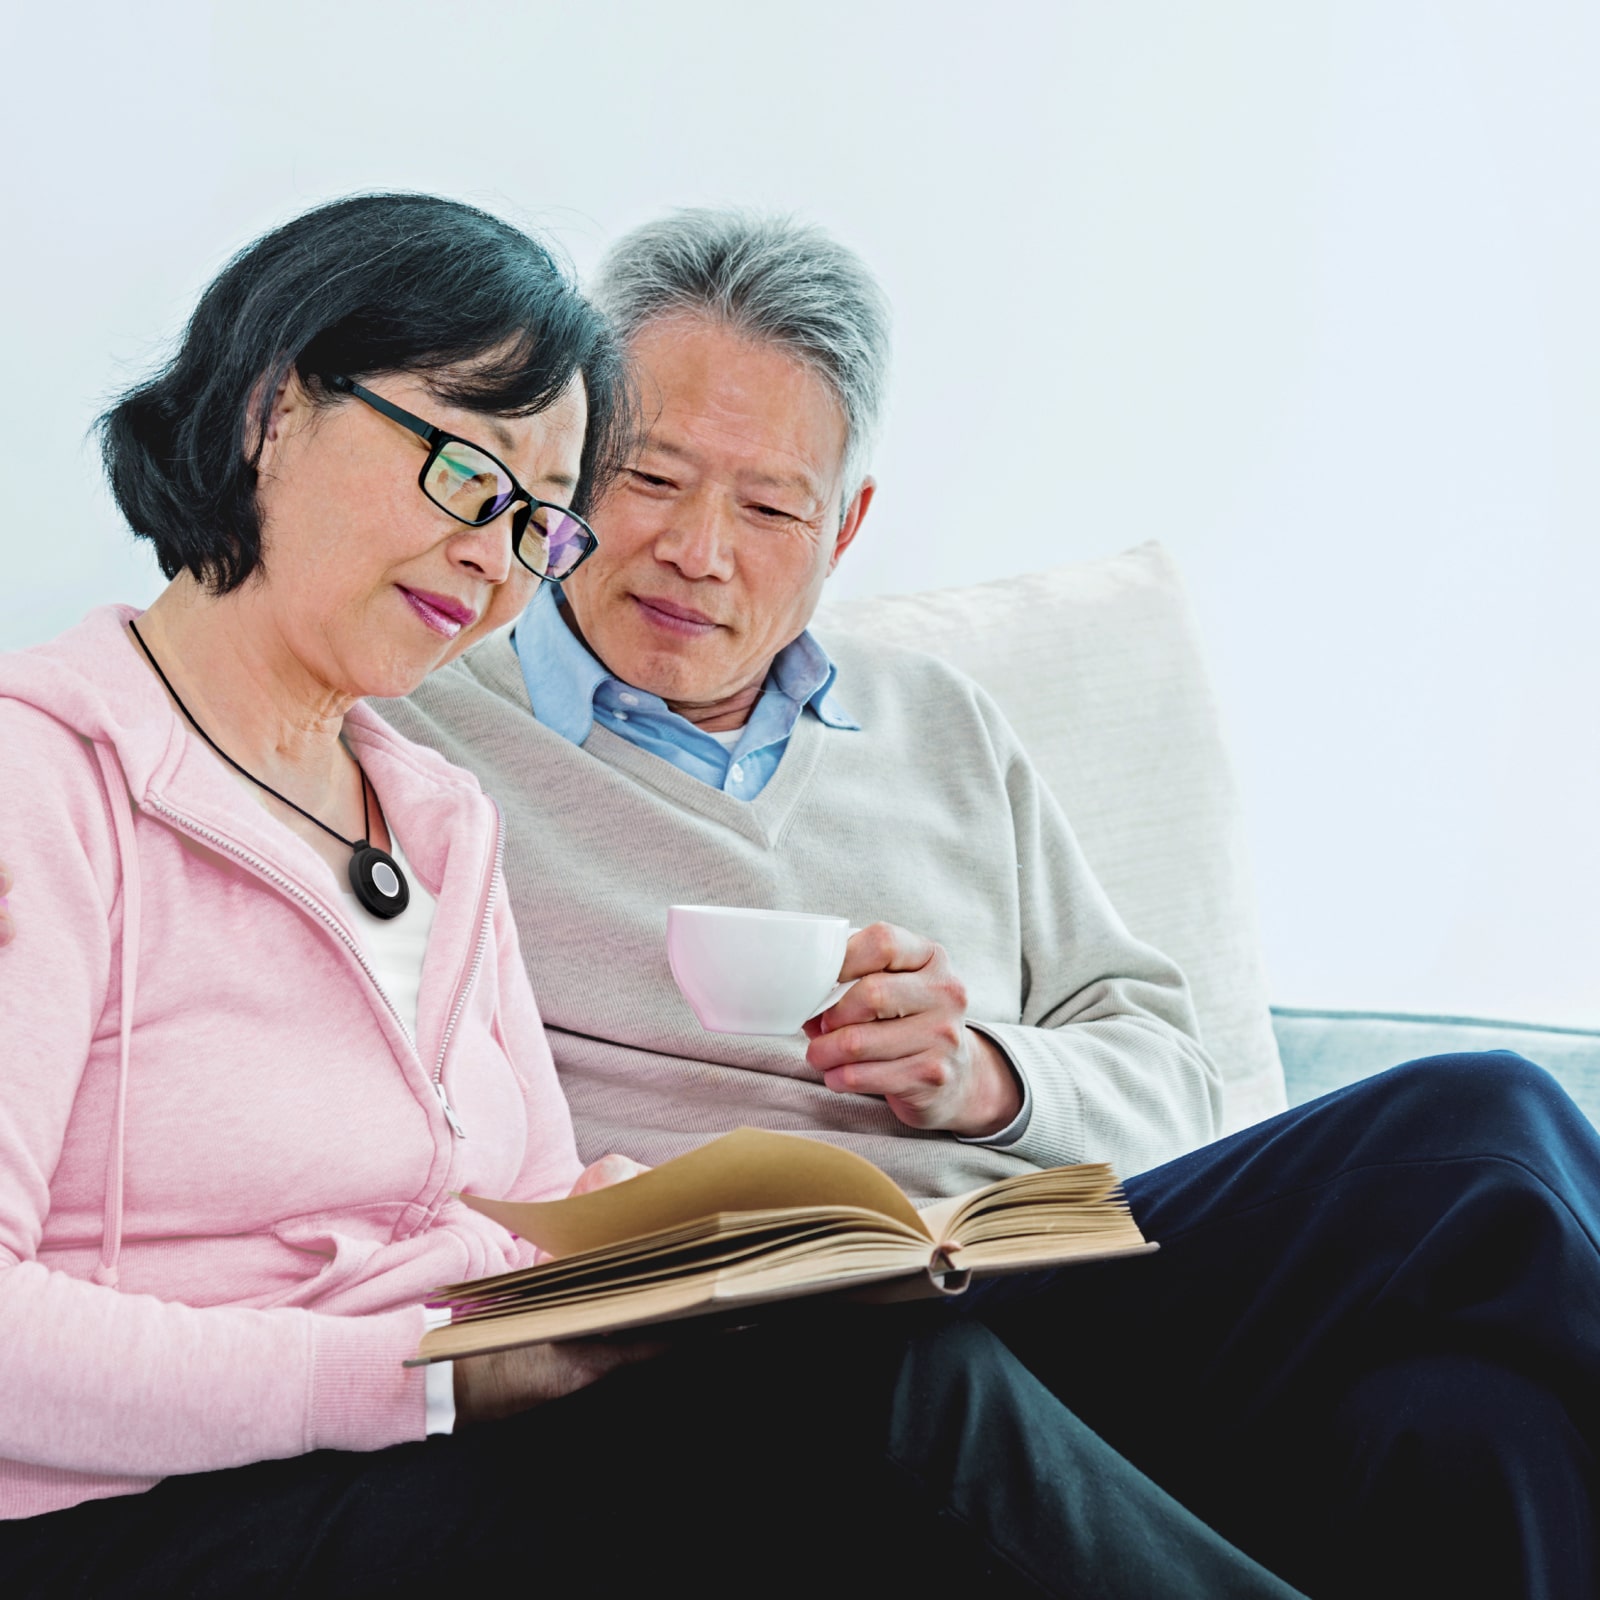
x,y
245,686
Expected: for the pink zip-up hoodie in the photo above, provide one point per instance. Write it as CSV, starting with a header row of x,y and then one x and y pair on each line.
x,y
225,1168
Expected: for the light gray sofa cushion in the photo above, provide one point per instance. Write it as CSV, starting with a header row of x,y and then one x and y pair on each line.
x,y
1325,1050
1098,666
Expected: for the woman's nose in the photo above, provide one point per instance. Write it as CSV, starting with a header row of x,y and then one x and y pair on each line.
x,y
487,550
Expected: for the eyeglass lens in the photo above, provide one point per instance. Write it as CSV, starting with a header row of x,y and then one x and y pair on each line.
x,y
468,484
553,542
475,488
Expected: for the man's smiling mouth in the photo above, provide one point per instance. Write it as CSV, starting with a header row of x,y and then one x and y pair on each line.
x,y
671,617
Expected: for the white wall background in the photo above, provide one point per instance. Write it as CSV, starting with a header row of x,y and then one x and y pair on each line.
x,y
1308,291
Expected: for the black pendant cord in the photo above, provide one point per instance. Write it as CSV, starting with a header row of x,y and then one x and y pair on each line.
x,y
375,875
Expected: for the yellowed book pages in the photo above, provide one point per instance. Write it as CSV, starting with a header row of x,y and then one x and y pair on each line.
x,y
747,1170
755,1217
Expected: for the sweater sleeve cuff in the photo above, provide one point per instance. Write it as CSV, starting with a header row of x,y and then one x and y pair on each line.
x,y
363,1396
1054,1135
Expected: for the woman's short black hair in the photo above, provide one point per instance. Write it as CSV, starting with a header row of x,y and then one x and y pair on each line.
x,y
377,283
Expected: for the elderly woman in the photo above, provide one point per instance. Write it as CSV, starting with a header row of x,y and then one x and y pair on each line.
x,y
277,1013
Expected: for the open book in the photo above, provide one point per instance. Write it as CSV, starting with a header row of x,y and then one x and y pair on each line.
x,y
755,1217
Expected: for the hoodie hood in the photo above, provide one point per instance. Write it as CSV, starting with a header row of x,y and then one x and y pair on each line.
x,y
85,679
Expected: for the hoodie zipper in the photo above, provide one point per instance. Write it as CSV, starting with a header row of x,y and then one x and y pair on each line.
x,y
484,923
334,926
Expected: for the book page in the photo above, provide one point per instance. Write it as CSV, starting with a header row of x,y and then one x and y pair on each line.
x,y
1088,1193
747,1170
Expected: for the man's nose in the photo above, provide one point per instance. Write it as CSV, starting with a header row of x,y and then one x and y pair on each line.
x,y
698,538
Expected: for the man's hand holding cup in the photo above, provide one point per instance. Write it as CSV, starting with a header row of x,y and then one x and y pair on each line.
x,y
900,1031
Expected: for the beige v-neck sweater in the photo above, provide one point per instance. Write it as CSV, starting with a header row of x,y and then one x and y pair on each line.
x,y
930,816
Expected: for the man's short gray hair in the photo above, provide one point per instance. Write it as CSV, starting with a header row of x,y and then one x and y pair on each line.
x,y
770,278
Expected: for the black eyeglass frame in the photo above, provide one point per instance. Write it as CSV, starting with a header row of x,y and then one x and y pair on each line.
x,y
436,439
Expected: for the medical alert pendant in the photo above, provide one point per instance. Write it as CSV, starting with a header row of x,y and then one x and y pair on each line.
x,y
379,883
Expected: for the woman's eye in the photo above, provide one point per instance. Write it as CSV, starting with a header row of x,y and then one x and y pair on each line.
x,y
648,480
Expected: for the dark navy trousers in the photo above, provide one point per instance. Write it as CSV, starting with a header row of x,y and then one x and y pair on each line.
x,y
1366,1357
1368,1350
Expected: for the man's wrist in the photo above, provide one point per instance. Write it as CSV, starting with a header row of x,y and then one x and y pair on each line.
x,y
1000,1094
1015,1130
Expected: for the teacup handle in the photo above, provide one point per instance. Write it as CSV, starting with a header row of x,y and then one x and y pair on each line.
x,y
839,990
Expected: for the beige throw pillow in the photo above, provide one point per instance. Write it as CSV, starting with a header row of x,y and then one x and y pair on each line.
x,y
1098,667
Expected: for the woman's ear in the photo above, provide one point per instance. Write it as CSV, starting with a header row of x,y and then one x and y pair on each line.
x,y
292,408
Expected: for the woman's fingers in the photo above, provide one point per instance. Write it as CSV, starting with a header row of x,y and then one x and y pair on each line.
x,y
500,1385
606,1171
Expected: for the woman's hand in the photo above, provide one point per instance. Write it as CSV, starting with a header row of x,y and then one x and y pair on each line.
x,y
606,1171
500,1385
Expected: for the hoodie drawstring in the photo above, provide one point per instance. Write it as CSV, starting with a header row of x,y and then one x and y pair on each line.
x,y
122,825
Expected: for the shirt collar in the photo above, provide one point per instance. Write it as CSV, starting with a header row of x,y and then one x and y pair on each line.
x,y
562,676
804,672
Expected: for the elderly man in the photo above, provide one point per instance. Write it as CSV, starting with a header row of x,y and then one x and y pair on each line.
x,y
1368,1349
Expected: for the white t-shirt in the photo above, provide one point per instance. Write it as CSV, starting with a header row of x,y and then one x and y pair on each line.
x,y
395,946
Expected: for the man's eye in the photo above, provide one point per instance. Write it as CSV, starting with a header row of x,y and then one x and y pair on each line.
x,y
771,514
648,480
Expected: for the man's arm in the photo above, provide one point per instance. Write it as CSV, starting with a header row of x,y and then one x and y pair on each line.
x,y
1105,1038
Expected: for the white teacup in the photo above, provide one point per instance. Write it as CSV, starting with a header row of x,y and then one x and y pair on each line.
x,y
749,971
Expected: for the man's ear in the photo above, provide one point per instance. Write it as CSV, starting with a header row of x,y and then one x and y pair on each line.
x,y
853,514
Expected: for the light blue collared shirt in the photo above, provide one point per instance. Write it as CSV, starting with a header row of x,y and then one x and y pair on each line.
x,y
570,691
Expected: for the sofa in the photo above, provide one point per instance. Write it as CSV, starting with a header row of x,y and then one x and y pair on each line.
x,y
1099,667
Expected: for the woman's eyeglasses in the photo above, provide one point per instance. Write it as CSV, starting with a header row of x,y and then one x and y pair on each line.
x,y
474,487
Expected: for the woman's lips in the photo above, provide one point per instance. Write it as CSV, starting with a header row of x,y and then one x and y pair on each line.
x,y
445,616
684,621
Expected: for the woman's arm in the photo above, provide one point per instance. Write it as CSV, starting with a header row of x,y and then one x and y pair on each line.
x,y
96,1379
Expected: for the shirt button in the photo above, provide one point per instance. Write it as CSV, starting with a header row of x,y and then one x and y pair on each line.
x,y
736,772
628,699
621,716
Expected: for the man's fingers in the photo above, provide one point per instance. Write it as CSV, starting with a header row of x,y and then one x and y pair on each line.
x,y
875,997
896,1039
882,947
7,927
919,1079
5,880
